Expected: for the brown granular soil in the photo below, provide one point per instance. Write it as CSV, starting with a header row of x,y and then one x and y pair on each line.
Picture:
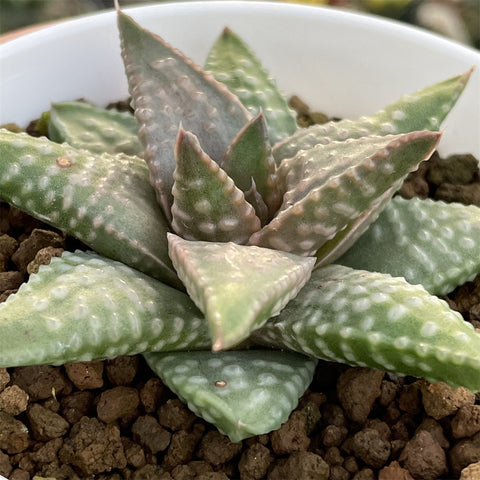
x,y
116,420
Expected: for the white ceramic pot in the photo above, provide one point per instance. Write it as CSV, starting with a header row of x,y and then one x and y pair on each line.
x,y
345,64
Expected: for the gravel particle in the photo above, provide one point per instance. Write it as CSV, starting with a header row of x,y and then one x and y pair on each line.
x,y
464,453
357,390
174,415
85,375
13,434
369,445
423,457
93,447
291,436
116,403
46,424
150,434
441,400
122,370
216,448
394,472
13,400
254,462
466,422
300,466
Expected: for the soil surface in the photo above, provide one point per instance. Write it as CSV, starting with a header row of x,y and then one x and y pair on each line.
x,y
116,420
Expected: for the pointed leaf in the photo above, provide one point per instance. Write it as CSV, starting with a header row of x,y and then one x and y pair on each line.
x,y
83,306
372,319
207,205
93,128
305,226
423,110
233,63
249,158
242,393
237,287
103,200
432,243
167,88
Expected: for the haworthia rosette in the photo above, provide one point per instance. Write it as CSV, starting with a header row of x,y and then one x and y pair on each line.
x,y
93,128
304,226
83,306
168,89
428,242
233,63
243,393
422,110
103,200
375,320
237,287
207,205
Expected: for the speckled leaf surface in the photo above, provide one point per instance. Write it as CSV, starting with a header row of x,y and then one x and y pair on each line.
x,y
302,227
428,242
168,89
249,161
103,200
237,287
207,205
422,110
242,393
233,63
93,128
375,320
83,306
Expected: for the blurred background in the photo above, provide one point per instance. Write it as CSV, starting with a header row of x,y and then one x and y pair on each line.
x,y
456,19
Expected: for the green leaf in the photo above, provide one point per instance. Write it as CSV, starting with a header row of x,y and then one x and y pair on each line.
x,y
103,200
83,306
207,204
242,393
233,63
423,110
168,89
249,161
428,242
322,211
237,287
93,128
375,320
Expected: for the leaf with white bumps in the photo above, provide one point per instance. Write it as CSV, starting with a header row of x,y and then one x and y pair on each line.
x,y
93,128
249,160
83,306
428,242
237,287
423,110
233,63
207,205
242,393
103,200
321,212
168,89
372,319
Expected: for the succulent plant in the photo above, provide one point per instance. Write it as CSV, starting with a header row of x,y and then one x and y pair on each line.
x,y
214,254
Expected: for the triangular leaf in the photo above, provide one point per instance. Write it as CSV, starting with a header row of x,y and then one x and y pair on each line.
x,y
432,243
93,128
237,287
242,393
304,226
207,204
249,159
372,319
423,110
233,63
167,88
83,306
103,200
